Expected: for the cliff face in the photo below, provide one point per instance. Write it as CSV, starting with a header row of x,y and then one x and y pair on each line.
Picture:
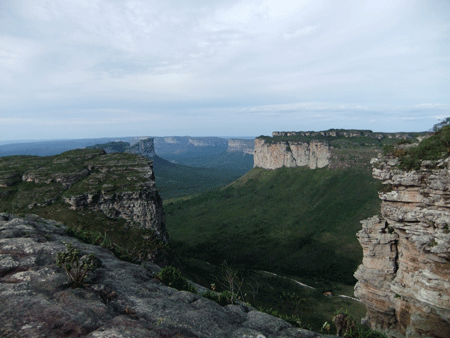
x,y
241,146
404,280
289,154
144,147
119,185
336,148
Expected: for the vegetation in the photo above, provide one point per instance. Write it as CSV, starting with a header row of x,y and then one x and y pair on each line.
x,y
171,276
75,265
175,180
433,148
47,180
293,221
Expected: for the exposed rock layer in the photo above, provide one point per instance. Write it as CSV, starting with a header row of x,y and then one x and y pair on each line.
x,y
120,299
244,146
289,154
336,148
120,185
404,280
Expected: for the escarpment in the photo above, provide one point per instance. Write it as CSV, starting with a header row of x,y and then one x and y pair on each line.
x,y
404,279
335,148
290,154
119,185
144,147
244,146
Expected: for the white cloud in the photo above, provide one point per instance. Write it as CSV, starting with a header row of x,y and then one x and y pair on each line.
x,y
258,56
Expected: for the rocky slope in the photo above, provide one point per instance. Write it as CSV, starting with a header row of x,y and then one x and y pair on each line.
x,y
404,280
336,148
119,185
119,299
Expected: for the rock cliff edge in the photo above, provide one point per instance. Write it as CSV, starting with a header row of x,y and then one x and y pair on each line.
x,y
404,280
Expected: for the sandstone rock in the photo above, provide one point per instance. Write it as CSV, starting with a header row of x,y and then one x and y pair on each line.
x,y
120,185
291,154
120,299
404,280
244,146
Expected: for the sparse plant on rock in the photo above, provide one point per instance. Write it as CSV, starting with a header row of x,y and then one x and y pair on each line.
x,y
76,266
171,276
232,283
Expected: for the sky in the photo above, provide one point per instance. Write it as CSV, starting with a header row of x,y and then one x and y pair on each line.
x,y
106,68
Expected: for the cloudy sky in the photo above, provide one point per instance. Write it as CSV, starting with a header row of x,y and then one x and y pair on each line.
x,y
99,68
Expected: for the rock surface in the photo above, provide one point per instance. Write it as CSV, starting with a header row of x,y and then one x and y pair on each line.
x,y
290,154
144,147
335,148
120,185
404,280
241,146
119,299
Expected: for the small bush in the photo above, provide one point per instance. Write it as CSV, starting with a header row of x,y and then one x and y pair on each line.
x,y
223,298
76,266
171,276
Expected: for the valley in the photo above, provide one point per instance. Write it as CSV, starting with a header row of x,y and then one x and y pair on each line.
x,y
285,234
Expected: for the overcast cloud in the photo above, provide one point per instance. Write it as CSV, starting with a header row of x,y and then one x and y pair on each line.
x,y
96,68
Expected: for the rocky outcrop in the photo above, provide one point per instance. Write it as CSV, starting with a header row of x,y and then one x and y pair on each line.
x,y
207,142
120,185
241,146
273,155
119,299
144,147
346,133
404,280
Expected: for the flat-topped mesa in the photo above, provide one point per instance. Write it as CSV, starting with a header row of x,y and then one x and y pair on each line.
x,y
120,185
335,148
315,154
144,147
404,280
241,146
343,132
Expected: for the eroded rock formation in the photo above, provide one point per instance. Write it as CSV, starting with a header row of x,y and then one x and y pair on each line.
x,y
404,280
243,146
268,155
120,185
120,299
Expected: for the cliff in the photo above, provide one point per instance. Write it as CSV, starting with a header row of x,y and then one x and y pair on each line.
x,y
289,154
144,147
404,279
118,299
241,146
119,185
335,148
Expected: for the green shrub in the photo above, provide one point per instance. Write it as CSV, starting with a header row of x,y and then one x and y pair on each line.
x,y
171,276
223,298
76,266
433,148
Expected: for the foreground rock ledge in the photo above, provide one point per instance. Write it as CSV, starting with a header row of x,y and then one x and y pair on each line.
x,y
120,300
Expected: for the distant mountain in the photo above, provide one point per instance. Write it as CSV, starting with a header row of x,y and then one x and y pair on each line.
x,y
50,148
